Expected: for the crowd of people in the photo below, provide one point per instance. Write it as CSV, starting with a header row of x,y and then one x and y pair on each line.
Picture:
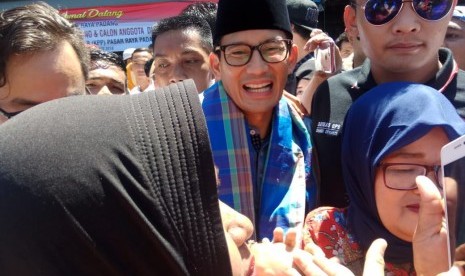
x,y
222,148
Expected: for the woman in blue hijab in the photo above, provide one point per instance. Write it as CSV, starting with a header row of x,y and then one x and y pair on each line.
x,y
393,134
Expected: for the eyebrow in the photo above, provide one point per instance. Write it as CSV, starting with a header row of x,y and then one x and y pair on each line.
x,y
183,53
454,27
187,52
25,102
155,56
262,41
408,155
102,78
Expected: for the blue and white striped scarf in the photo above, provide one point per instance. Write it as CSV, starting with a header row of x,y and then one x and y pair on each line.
x,y
286,193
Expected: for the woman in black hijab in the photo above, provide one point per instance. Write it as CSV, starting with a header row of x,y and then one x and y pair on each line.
x,y
110,186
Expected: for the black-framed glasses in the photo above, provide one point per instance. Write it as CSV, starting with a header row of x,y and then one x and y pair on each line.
x,y
401,176
379,12
9,115
271,51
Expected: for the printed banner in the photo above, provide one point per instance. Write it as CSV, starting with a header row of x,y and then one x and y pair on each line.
x,y
116,28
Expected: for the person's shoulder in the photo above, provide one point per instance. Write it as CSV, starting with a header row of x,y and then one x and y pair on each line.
x,y
457,96
346,76
326,214
209,91
341,83
327,228
135,90
461,79
210,95
328,220
335,95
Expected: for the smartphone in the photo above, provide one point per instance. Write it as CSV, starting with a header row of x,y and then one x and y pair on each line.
x,y
324,58
453,180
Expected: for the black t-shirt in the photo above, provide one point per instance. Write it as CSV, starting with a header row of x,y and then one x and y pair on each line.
x,y
331,102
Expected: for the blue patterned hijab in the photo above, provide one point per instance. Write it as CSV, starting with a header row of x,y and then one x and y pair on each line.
x,y
385,119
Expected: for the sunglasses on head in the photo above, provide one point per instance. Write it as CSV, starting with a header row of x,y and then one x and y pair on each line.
x,y
379,12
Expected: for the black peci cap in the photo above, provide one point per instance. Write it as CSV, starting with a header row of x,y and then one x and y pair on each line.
x,y
241,15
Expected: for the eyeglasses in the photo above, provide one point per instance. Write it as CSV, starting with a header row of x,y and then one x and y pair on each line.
x,y
9,115
401,176
379,12
271,51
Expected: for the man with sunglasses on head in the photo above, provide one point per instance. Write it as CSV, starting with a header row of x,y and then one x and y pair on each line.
x,y
260,145
402,41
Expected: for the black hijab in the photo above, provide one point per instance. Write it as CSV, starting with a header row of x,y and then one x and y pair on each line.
x,y
116,185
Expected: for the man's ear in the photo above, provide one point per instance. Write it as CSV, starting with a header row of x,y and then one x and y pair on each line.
x,y
350,21
215,65
292,59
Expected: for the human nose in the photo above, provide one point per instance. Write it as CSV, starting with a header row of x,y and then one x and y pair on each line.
x,y
256,64
178,74
407,20
104,91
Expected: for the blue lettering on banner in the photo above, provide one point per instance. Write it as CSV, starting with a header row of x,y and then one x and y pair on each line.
x,y
131,40
113,35
115,41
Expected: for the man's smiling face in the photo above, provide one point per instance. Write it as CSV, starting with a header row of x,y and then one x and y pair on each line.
x,y
257,86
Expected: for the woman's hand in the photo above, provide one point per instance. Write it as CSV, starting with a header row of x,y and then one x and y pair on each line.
x,y
430,252
275,258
